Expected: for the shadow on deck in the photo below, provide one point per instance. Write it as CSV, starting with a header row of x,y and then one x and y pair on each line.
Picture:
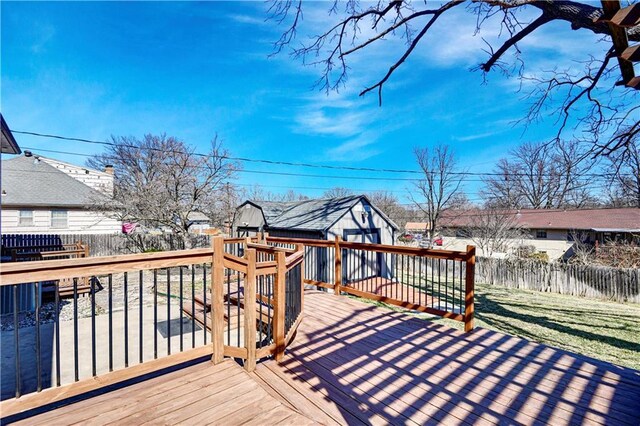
x,y
355,363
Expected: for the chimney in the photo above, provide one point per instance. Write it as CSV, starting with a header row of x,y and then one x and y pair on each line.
x,y
108,169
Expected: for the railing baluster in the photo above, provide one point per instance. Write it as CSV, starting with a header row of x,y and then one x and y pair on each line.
x,y
75,329
204,286
93,327
16,341
229,307
238,302
155,314
168,311
193,306
180,302
141,319
110,322
126,320
38,349
57,337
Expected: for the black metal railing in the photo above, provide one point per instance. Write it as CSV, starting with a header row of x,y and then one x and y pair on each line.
x,y
80,331
293,296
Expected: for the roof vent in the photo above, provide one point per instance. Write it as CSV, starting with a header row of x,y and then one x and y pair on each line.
x,y
28,154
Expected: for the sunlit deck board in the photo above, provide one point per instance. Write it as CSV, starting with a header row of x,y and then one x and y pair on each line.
x,y
199,394
360,363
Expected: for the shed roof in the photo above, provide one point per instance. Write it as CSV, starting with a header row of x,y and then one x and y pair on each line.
x,y
310,215
27,181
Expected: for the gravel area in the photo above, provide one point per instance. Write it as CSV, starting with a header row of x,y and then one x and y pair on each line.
x,y
66,308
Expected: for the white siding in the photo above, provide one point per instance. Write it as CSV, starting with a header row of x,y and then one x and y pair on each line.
x,y
555,245
78,221
97,180
353,220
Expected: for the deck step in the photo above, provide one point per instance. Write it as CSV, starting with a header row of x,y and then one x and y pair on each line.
x,y
268,374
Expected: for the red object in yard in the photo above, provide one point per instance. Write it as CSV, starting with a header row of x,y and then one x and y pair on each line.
x,y
437,241
128,227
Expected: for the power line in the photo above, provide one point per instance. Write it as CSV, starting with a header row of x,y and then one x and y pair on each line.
x,y
279,162
295,174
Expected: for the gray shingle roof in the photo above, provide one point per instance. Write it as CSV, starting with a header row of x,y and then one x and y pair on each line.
x,y
309,215
29,182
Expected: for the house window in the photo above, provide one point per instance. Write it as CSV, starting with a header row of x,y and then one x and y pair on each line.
x,y
541,233
25,218
59,219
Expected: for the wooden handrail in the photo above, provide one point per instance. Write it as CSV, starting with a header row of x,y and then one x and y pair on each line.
x,y
304,241
269,249
46,270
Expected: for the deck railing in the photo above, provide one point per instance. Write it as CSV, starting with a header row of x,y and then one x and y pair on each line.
x,y
147,311
438,282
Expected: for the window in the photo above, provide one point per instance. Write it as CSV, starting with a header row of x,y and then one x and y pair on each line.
x,y
58,218
25,218
540,233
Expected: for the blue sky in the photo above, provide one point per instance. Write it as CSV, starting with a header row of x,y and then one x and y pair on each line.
x,y
94,69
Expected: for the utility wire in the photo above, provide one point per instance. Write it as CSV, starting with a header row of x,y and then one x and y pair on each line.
x,y
278,162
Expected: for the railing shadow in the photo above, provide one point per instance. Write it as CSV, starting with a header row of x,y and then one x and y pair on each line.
x,y
380,365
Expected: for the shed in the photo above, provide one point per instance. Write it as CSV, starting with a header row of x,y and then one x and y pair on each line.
x,y
353,218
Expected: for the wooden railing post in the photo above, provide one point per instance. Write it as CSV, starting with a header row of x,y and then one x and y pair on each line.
x,y
469,289
217,300
279,305
338,266
250,307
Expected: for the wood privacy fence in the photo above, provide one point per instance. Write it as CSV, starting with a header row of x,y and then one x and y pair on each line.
x,y
618,284
438,282
102,244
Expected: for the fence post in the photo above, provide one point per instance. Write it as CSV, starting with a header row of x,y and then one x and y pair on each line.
x,y
250,310
217,300
338,266
469,284
279,305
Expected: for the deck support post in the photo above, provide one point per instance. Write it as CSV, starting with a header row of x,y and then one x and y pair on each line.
x,y
279,305
469,289
250,310
217,300
338,267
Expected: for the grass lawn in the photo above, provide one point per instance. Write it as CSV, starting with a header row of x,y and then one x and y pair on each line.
x,y
608,331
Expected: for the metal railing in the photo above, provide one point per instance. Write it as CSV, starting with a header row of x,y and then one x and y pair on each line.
x,y
438,282
145,307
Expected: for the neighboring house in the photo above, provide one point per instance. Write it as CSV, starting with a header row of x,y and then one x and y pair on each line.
x,y
199,222
353,218
9,144
46,196
549,231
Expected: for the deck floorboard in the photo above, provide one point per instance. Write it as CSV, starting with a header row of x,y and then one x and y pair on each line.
x,y
366,361
358,363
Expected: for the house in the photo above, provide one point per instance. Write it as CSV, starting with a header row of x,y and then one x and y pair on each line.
x,y
46,196
548,231
353,218
9,144
199,222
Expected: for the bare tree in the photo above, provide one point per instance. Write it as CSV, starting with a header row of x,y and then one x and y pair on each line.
x,y
494,230
258,193
542,176
605,113
437,189
337,192
160,181
625,175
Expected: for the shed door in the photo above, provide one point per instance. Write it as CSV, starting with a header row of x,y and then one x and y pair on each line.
x,y
359,265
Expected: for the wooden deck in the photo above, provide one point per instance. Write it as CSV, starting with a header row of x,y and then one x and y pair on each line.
x,y
203,393
356,363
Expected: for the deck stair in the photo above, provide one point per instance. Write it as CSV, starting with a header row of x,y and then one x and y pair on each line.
x,y
233,302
